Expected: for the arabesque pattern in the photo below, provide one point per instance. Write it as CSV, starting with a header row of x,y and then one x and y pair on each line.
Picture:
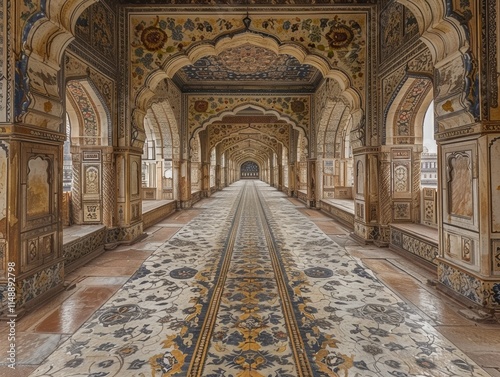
x,y
237,292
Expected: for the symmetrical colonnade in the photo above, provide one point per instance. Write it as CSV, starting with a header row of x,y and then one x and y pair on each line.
x,y
135,135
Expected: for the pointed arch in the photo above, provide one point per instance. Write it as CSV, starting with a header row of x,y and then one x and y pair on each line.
x,y
209,48
404,117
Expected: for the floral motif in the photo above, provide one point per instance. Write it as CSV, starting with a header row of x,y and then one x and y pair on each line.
x,y
339,36
153,38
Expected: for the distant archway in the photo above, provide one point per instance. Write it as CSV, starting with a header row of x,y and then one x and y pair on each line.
x,y
249,170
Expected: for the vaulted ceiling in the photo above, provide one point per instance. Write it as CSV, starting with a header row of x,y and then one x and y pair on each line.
x,y
248,68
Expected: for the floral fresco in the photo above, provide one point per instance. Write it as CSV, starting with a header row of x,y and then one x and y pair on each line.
x,y
202,108
339,38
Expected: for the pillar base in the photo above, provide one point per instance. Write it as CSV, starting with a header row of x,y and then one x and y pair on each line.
x,y
126,235
483,292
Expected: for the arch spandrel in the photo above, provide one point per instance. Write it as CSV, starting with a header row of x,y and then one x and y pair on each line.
x,y
203,110
335,44
278,131
46,29
246,140
448,37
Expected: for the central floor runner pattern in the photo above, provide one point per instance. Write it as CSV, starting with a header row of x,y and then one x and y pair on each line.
x,y
252,288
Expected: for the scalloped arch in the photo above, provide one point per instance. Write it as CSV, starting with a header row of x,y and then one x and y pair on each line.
x,y
208,48
415,114
443,35
237,109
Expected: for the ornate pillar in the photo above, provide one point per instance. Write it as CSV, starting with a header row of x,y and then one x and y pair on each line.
x,y
128,225
76,188
291,180
468,155
185,184
176,176
108,187
311,182
218,177
205,179
367,182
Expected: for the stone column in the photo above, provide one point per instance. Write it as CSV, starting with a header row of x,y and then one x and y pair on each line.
x,y
291,180
368,182
176,178
205,179
185,184
311,182
108,187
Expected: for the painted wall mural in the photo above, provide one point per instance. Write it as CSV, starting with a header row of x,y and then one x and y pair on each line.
x,y
96,27
202,108
339,38
279,131
404,118
247,64
90,130
398,27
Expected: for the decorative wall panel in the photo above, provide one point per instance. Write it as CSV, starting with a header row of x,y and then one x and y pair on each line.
x,y
5,62
279,131
459,168
339,37
468,285
494,152
39,195
398,27
96,27
203,108
41,282
496,257
413,244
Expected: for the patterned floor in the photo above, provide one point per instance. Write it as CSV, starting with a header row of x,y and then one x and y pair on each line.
x,y
251,288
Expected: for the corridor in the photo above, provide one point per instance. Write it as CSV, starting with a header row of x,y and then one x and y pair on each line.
x,y
251,286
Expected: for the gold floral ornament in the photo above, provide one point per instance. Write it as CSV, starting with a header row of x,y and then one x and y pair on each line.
x,y
339,36
153,38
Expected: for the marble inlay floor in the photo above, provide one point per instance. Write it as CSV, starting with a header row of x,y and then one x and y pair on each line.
x,y
252,287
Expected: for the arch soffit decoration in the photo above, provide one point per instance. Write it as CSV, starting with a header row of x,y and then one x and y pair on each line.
x,y
334,120
448,41
443,35
234,111
239,151
243,131
47,31
231,142
406,111
167,125
225,42
239,160
207,48
85,98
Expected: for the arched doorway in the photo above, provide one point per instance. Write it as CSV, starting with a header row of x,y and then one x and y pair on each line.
x,y
249,170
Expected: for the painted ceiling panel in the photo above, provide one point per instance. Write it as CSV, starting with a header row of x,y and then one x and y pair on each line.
x,y
249,65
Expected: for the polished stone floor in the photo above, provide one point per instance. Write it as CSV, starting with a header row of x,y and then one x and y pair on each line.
x,y
233,287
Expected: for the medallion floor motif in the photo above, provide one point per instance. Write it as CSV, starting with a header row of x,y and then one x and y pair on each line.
x,y
252,286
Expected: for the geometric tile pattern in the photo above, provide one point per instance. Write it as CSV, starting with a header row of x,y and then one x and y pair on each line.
x,y
251,287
